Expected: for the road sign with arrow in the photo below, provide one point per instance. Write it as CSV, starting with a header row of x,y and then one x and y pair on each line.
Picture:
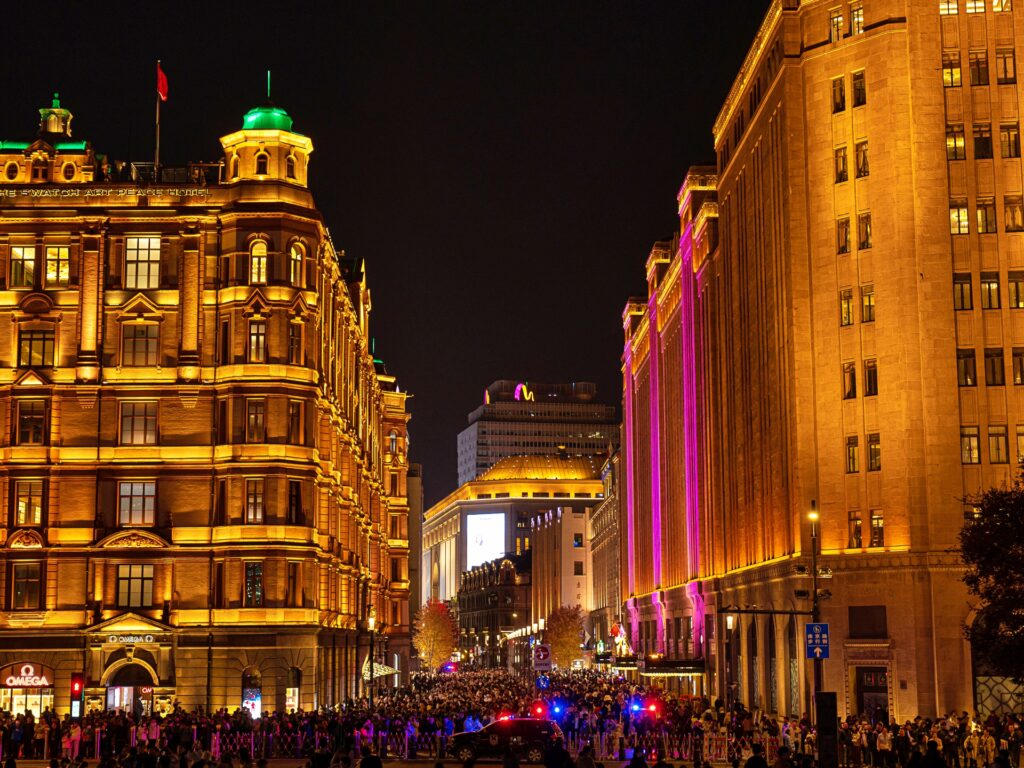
x,y
817,640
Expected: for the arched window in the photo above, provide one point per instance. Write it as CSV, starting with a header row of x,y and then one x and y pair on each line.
x,y
258,263
393,442
755,688
772,674
290,167
295,265
261,164
234,167
252,691
794,668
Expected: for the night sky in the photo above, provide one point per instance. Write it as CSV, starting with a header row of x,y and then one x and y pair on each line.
x,y
503,167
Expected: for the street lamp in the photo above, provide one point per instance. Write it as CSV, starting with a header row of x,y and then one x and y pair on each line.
x,y
371,624
812,516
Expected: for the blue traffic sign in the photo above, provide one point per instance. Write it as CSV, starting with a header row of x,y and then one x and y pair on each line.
x,y
817,640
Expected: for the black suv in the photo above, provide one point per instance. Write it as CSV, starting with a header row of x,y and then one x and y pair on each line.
x,y
528,737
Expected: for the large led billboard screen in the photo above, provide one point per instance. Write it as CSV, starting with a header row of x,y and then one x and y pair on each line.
x,y
485,537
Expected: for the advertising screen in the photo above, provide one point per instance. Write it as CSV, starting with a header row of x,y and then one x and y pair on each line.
x,y
485,538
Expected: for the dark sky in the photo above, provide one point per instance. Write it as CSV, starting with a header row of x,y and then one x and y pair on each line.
x,y
503,167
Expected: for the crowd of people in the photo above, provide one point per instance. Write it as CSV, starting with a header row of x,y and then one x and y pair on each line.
x,y
603,718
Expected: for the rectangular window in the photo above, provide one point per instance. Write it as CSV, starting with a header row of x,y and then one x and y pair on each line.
x,y
951,69
975,6
136,502
995,371
874,453
962,296
23,266
295,516
1009,140
852,455
947,7
863,231
31,422
849,381
28,586
138,423
867,622
142,262
28,502
1020,443
1016,286
986,216
982,141
1002,6
577,568
257,341
959,223
1006,66
255,420
990,290
577,540
835,26
861,157
856,540
870,378
140,344
860,89
253,597
295,266
254,501
295,422
35,349
134,586
877,529
977,64
838,95
966,370
867,303
843,236
955,143
258,263
856,18
58,266
846,306
1013,214
294,592
970,445
998,449
840,164
294,344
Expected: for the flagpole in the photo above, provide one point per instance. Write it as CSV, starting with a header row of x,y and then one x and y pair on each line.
x,y
156,158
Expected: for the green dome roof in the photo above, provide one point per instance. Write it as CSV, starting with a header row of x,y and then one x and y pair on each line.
x,y
266,117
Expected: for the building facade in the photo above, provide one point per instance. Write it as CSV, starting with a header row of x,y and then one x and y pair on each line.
x,y
854,343
605,564
534,419
494,600
204,470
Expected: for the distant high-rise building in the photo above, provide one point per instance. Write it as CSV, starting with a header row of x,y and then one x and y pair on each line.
x,y
519,418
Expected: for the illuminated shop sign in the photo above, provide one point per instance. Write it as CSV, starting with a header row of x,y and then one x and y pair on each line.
x,y
130,639
26,675
108,192
523,392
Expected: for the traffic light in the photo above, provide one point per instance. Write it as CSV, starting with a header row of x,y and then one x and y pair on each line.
x,y
77,693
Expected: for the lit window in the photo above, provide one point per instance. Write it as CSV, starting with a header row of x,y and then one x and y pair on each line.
x,y
863,231
1020,443
138,423
852,455
1016,290
970,446
28,586
140,345
1002,6
856,534
877,529
1009,140
861,156
860,90
947,7
966,370
255,419
986,216
295,266
1006,66
258,263
253,597
846,307
23,266
1013,214
849,381
838,95
843,236
955,143
857,18
995,370
35,349
58,266
840,164
870,378
136,502
998,449
835,26
959,223
1018,366
28,502
134,586
975,6
951,69
982,141
254,500
142,263
874,453
962,296
257,341
990,290
261,164
977,62
31,422
867,303
577,540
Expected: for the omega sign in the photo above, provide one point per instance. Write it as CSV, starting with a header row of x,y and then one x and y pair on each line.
x,y
130,639
26,676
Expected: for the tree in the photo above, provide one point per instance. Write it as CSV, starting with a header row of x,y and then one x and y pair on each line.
x,y
992,548
563,631
434,634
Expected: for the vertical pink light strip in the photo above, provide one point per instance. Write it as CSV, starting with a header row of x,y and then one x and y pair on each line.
x,y
654,354
630,466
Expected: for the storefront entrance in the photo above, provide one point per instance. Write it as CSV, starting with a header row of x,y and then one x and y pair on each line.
x,y
130,689
26,686
873,693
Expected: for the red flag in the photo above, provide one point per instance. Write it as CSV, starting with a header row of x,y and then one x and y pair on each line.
x,y
161,83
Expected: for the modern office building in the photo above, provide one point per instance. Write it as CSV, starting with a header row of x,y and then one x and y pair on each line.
x,y
204,470
519,418
850,285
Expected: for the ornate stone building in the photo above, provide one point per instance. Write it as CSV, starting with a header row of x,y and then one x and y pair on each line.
x,y
204,467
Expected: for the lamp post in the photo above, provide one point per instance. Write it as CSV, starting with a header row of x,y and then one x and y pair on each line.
x,y
371,624
812,516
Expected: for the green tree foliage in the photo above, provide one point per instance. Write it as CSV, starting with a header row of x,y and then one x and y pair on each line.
x,y
434,634
992,548
563,630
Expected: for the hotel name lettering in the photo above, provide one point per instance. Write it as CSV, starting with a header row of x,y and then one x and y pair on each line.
x,y
84,193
